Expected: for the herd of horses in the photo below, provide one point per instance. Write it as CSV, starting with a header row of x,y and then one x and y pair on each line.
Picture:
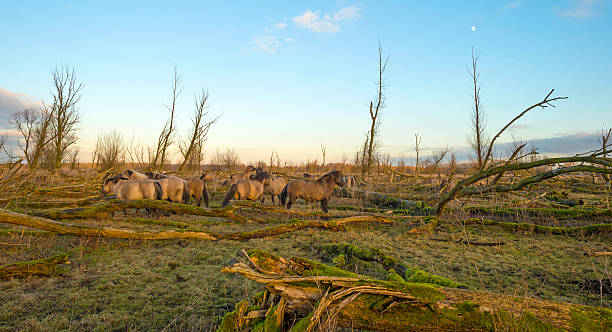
x,y
252,184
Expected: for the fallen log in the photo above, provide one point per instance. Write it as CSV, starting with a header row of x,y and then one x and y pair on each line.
x,y
39,267
533,228
15,218
384,200
106,208
334,225
349,300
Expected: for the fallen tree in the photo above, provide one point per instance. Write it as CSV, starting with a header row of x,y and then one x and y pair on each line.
x,y
303,295
104,209
15,218
39,267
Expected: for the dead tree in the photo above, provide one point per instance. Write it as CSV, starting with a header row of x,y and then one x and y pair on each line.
x,y
605,137
323,152
34,126
376,107
166,137
417,149
110,151
64,114
546,102
199,132
477,139
466,188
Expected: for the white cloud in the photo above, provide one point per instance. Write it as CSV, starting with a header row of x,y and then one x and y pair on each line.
x,y
265,43
289,40
582,9
347,13
280,25
310,20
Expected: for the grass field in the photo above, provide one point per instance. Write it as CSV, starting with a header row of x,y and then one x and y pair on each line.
x,y
115,284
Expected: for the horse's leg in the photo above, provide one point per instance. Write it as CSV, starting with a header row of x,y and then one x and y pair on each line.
x,y
263,198
324,204
272,197
290,201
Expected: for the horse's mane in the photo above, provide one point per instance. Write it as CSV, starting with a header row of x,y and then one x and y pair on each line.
x,y
328,177
261,176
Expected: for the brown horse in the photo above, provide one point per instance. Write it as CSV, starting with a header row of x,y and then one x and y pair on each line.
x,y
197,189
208,177
234,178
247,189
175,189
274,187
155,175
134,175
312,191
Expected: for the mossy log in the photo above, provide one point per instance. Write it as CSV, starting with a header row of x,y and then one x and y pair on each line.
x,y
15,218
60,204
380,199
340,298
533,228
334,225
106,208
39,267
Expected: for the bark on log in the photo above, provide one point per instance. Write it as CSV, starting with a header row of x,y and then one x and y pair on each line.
x,y
39,267
349,300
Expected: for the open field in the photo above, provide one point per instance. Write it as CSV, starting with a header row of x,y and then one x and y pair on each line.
x,y
177,284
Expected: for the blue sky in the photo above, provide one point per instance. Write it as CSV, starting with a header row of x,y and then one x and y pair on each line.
x,y
287,75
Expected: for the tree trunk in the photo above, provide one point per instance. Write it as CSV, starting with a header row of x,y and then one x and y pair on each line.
x,y
304,295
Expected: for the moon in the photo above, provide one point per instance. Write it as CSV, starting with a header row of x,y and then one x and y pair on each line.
x,y
473,28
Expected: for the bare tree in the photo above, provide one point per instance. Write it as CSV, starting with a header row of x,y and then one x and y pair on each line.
x,y
376,107
477,139
192,150
229,158
166,137
323,152
73,157
417,148
436,158
64,114
34,126
110,151
605,137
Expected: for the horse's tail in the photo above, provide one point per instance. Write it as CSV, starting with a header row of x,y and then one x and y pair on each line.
x,y
205,193
229,195
158,190
283,195
186,192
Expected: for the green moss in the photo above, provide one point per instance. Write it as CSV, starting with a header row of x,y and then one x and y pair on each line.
x,y
393,276
302,324
591,319
339,261
570,213
228,324
581,230
271,322
414,274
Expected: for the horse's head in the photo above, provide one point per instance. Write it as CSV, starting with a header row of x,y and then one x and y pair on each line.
x,y
108,185
263,177
250,168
